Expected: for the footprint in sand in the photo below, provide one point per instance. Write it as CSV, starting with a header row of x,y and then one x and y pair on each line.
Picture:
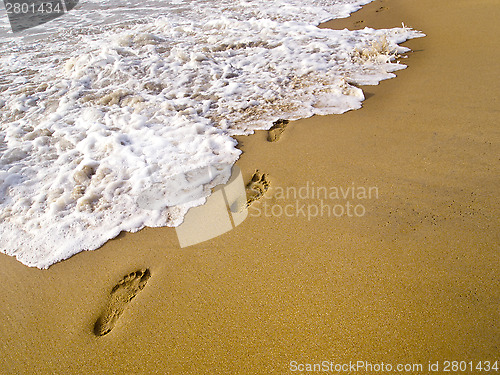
x,y
257,187
121,295
274,134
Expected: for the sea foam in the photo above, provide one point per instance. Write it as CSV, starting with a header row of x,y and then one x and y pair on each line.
x,y
88,124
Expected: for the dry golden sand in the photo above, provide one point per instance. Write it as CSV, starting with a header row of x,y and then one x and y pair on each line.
x,y
414,280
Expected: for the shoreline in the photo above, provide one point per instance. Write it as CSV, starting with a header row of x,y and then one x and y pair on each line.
x,y
413,280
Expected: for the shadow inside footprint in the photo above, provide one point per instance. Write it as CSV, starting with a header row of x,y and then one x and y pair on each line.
x,y
257,187
120,296
274,134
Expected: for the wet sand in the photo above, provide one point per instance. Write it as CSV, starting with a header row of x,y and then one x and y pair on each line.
x,y
412,280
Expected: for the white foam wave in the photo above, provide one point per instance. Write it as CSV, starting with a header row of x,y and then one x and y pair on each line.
x,y
102,119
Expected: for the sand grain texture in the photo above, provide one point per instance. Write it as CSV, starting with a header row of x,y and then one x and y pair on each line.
x,y
413,280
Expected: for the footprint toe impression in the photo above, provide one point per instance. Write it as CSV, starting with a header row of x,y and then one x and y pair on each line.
x,y
274,134
120,296
257,187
